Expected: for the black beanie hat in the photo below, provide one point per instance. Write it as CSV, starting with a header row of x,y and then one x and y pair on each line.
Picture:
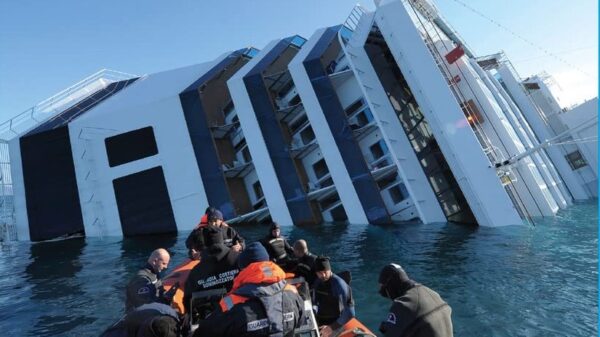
x,y
164,326
254,252
214,214
322,263
275,225
212,236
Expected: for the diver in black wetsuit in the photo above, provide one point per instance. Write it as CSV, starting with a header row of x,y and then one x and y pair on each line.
x,y
145,286
278,247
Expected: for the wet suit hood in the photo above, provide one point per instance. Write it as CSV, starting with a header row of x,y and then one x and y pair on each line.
x,y
394,281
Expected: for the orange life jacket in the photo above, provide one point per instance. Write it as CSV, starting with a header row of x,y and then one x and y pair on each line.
x,y
255,273
203,221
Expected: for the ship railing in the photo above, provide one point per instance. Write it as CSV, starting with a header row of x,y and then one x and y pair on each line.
x,y
351,23
59,102
8,230
431,35
353,18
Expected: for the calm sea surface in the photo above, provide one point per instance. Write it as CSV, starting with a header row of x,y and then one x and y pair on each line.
x,y
513,281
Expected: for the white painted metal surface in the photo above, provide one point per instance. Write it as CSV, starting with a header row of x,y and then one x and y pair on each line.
x,y
478,181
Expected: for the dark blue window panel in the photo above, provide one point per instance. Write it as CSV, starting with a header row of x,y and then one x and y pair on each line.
x,y
80,108
130,146
53,207
364,184
202,142
296,199
144,204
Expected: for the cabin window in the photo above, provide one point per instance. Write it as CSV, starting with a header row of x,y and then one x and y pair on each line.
x,y
378,150
130,146
320,168
258,192
352,108
398,193
246,155
307,135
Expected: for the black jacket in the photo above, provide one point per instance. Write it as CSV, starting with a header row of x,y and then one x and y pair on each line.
x,y
420,312
195,240
217,269
278,248
250,319
231,236
144,287
305,267
138,322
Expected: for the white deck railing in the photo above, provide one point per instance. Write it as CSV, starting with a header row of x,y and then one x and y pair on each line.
x,y
59,102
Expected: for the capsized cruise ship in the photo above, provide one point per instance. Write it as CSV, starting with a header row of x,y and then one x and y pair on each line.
x,y
386,118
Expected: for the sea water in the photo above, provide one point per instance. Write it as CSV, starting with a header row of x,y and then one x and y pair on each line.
x,y
529,280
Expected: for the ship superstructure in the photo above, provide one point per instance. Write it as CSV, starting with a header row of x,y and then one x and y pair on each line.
x,y
387,118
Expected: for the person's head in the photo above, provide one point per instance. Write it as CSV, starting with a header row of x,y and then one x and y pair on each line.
x,y
300,248
159,260
196,244
254,252
275,230
393,281
323,268
215,217
209,209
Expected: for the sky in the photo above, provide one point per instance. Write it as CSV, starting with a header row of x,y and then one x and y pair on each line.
x,y
46,46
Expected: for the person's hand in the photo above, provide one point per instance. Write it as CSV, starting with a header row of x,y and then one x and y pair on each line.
x,y
224,224
195,254
168,295
237,247
325,331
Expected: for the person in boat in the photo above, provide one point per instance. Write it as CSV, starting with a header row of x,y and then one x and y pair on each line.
x,y
217,269
147,320
332,298
278,247
231,237
305,262
260,303
145,286
416,310
194,242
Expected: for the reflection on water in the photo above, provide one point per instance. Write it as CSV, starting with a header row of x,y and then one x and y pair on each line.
x,y
511,281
